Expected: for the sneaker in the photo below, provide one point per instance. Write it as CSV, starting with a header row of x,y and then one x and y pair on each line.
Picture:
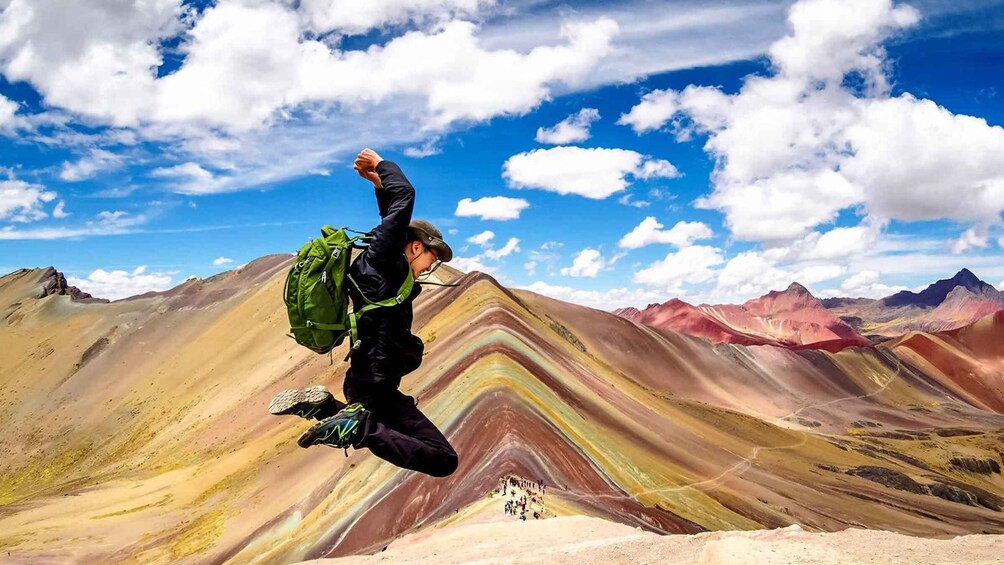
x,y
305,403
341,430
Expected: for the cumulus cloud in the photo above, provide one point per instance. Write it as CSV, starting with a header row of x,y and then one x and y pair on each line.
x,y
650,231
59,212
511,246
655,109
694,264
7,110
191,178
481,261
481,238
530,267
836,243
120,284
222,260
591,172
98,160
865,284
587,263
350,17
471,264
492,208
753,273
972,237
607,300
427,149
573,129
249,63
23,202
795,148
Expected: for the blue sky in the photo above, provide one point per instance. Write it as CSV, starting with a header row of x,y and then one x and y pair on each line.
x,y
851,146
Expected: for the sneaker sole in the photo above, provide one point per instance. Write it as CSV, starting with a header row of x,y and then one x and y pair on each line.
x,y
301,402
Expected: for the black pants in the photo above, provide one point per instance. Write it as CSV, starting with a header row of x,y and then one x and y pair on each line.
x,y
397,431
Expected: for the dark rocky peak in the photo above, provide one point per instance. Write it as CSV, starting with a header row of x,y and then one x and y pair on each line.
x,y
797,289
936,293
53,282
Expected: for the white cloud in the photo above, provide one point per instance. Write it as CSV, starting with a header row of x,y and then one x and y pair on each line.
x,y
120,284
626,200
864,284
426,149
470,264
573,129
587,263
350,17
7,110
547,245
530,267
794,149
689,265
481,238
607,300
98,160
107,217
22,202
837,243
248,63
753,273
192,179
511,246
650,231
222,260
492,208
655,109
58,212
95,58
108,223
591,172
972,237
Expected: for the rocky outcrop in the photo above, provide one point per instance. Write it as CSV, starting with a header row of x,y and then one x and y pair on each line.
x,y
53,282
974,465
889,478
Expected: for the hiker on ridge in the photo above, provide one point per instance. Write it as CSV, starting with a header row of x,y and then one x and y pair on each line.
x,y
378,416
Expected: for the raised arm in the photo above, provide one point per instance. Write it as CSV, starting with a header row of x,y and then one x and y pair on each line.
x,y
395,200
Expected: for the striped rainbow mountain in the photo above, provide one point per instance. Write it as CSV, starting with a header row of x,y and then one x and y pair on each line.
x,y
137,430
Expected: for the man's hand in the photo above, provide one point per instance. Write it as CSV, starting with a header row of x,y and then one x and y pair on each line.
x,y
365,165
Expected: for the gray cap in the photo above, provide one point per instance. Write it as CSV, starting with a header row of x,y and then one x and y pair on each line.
x,y
428,234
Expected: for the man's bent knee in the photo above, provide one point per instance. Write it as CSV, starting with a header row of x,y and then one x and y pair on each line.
x,y
447,465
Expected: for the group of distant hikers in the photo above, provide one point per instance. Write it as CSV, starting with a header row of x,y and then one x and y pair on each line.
x,y
523,497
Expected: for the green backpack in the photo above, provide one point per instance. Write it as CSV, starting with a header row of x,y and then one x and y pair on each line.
x,y
316,293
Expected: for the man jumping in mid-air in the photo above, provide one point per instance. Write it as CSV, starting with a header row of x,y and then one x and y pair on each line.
x,y
379,417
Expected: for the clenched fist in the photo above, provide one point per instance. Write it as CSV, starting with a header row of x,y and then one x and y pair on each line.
x,y
365,165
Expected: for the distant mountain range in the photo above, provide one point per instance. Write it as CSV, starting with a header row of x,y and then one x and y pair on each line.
x,y
795,318
138,430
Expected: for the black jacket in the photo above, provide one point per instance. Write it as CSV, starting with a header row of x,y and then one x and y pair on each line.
x,y
387,350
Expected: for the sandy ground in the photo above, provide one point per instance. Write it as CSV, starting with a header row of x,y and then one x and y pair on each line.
x,y
576,540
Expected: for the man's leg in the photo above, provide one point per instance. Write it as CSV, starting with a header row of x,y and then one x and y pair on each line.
x,y
397,431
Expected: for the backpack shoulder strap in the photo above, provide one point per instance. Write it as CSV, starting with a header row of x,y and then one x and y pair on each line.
x,y
402,294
